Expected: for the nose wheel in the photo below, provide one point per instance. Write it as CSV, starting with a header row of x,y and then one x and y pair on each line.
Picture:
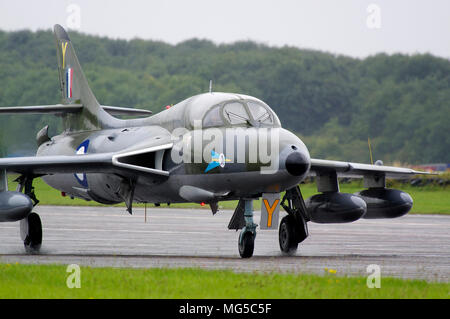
x,y
246,243
31,233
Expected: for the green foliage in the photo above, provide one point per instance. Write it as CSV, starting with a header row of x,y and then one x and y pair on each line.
x,y
334,102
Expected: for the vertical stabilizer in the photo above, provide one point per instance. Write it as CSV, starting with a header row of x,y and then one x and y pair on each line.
x,y
75,88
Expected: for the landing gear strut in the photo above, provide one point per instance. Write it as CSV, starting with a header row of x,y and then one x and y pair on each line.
x,y
247,236
293,228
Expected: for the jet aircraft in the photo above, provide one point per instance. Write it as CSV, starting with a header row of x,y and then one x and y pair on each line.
x,y
170,157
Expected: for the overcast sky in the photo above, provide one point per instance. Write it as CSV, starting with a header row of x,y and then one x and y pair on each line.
x,y
352,27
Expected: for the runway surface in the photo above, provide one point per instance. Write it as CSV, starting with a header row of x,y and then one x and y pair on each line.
x,y
413,246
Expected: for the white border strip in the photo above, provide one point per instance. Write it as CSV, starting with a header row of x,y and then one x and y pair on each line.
x,y
115,159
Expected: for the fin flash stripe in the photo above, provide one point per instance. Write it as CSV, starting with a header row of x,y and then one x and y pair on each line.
x,y
69,78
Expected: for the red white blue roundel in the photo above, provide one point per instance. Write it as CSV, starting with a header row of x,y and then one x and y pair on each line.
x,y
81,177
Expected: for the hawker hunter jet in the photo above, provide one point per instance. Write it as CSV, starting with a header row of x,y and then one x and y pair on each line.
x,y
208,148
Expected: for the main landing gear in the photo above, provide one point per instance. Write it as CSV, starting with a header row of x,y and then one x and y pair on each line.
x,y
287,236
30,226
293,228
31,232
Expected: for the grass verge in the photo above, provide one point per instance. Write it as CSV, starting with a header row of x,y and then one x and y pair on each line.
x,y
49,281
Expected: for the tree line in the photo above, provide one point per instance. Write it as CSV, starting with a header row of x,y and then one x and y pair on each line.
x,y
334,102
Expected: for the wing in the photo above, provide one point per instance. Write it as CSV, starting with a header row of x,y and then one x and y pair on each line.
x,y
42,165
59,109
348,169
124,163
56,109
327,173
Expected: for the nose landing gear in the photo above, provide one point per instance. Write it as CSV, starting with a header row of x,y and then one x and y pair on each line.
x,y
246,244
247,236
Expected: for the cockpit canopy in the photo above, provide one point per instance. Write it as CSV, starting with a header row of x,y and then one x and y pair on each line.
x,y
223,109
238,113
218,110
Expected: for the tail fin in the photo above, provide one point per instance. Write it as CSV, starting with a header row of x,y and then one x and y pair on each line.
x,y
79,110
75,88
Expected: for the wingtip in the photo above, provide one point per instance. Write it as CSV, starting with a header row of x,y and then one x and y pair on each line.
x,y
60,33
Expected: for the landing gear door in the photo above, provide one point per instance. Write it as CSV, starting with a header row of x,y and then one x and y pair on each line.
x,y
270,210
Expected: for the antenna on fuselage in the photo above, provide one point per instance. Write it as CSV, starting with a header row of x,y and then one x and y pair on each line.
x,y
210,86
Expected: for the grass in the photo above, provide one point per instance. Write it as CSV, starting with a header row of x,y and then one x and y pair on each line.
x,y
427,199
49,281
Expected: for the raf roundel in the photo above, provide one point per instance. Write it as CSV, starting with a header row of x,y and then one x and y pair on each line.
x,y
216,161
81,177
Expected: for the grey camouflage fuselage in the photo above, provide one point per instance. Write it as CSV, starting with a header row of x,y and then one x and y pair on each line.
x,y
233,181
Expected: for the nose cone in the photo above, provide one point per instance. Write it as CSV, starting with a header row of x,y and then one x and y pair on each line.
x,y
294,156
297,163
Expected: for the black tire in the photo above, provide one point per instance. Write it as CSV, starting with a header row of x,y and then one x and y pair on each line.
x,y
287,236
246,245
33,239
